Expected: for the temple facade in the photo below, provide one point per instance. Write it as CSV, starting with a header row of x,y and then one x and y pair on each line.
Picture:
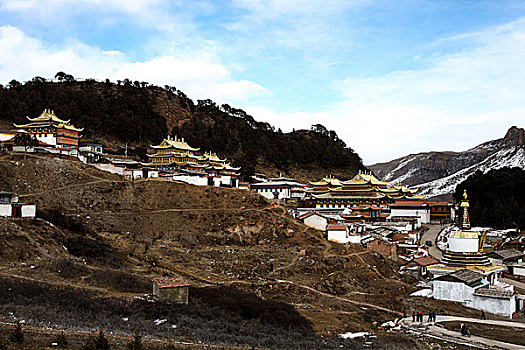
x,y
51,130
174,153
364,190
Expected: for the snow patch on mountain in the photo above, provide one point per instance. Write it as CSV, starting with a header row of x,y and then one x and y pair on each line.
x,y
506,157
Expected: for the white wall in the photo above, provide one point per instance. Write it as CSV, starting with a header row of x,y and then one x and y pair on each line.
x,y
50,139
6,210
453,291
316,221
338,236
28,210
192,180
284,193
424,214
519,270
110,168
6,137
499,306
354,238
467,245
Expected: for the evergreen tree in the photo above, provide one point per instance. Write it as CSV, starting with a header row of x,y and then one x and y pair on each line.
x,y
61,341
136,343
17,335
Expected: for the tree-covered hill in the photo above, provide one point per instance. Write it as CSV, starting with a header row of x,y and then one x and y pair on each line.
x,y
141,114
497,198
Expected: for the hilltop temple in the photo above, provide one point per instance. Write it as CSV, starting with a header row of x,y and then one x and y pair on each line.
x,y
174,153
363,189
51,130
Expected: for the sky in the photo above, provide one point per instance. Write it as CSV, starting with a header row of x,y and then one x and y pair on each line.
x,y
391,77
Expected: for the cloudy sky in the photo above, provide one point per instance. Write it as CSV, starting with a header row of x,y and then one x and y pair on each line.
x,y
391,77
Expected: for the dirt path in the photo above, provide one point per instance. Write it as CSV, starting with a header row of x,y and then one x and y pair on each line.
x,y
483,343
66,187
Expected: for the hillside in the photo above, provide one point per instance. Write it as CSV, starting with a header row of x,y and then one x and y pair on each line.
x,y
140,114
100,239
438,173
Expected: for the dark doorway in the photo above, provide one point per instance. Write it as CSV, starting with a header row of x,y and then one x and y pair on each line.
x,y
17,211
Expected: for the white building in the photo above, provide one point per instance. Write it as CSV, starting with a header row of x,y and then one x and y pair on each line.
x,y
473,290
340,233
410,209
280,188
10,207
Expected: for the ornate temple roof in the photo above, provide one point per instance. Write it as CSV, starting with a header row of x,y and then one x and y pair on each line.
x,y
48,115
46,119
175,143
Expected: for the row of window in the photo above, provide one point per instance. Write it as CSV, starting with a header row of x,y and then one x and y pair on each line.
x,y
272,190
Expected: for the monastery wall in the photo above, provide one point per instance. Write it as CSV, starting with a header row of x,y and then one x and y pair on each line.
x,y
28,210
452,291
6,209
499,306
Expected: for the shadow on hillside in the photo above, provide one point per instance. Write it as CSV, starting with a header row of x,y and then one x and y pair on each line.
x,y
215,315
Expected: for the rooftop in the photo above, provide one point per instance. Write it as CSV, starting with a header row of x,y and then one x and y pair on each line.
x,y
494,293
336,227
507,253
170,282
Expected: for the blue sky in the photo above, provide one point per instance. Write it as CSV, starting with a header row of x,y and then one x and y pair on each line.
x,y
391,77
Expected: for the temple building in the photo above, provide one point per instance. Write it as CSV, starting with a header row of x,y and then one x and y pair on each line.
x,y
175,154
280,188
187,164
465,251
51,130
364,190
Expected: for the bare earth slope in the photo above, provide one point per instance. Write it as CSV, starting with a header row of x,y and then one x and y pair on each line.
x,y
99,240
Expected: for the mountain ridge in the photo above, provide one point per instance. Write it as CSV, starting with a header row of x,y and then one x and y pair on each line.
x,y
437,173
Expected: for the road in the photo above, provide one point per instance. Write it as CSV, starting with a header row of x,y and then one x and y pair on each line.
x,y
454,336
431,235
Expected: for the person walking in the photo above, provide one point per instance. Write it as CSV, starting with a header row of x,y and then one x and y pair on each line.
x,y
405,312
429,316
483,316
413,316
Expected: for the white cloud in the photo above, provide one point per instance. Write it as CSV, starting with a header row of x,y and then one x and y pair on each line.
x,y
458,101
24,57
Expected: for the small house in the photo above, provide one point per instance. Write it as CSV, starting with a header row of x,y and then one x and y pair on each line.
x,y
176,290
419,265
10,207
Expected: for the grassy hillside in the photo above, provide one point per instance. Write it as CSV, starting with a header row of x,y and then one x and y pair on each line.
x,y
141,114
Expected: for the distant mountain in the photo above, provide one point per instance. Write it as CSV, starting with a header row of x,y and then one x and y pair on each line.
x,y
438,173
139,114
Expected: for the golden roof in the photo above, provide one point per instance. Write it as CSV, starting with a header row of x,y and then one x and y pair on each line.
x,y
48,118
329,180
48,115
370,178
213,157
464,234
175,143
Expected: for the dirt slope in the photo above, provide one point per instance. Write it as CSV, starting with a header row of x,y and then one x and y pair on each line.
x,y
107,237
